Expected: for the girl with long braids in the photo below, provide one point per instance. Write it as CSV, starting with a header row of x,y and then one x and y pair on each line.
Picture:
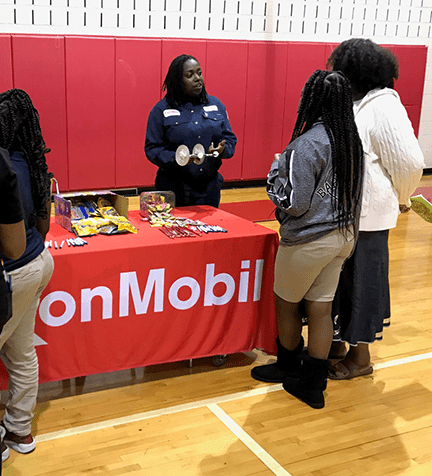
x,y
316,185
21,136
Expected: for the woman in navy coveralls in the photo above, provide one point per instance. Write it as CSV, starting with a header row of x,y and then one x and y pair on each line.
x,y
188,115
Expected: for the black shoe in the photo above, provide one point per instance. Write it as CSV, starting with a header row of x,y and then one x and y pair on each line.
x,y
312,382
288,364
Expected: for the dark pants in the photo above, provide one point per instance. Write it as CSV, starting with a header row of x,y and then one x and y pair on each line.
x,y
204,192
361,307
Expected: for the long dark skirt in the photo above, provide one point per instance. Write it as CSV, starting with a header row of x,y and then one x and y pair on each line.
x,y
361,307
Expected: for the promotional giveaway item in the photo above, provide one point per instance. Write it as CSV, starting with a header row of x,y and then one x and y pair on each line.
x,y
93,213
93,217
157,207
156,202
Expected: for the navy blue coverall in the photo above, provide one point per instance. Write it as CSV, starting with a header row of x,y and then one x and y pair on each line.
x,y
189,124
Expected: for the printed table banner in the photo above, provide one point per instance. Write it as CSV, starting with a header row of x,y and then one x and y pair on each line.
x,y
134,300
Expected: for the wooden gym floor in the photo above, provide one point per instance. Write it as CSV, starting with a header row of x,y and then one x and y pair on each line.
x,y
175,420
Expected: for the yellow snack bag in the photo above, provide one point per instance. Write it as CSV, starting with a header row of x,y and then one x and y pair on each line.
x,y
123,224
108,212
103,202
84,230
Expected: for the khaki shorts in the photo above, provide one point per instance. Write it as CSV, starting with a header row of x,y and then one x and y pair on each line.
x,y
312,270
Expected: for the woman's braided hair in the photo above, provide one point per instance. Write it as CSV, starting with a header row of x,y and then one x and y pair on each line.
x,y
327,96
20,131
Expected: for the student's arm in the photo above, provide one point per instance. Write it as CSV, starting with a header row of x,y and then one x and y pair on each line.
x,y
43,224
13,239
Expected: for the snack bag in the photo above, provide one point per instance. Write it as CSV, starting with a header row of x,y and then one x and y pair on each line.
x,y
76,214
103,202
123,224
108,229
85,229
108,212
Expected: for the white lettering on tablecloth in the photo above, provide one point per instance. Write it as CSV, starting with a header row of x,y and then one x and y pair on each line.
x,y
129,281
70,306
154,287
107,302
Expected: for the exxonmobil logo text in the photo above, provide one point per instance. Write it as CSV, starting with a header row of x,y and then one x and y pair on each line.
x,y
130,292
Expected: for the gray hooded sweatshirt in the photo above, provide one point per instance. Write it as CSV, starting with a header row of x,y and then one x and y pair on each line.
x,y
300,185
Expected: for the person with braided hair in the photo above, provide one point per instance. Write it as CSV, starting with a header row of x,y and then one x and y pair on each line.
x,y
12,238
393,168
21,136
316,186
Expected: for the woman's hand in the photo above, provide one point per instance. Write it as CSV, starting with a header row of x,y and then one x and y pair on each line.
x,y
219,149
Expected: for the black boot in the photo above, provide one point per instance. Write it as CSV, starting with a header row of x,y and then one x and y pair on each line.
x,y
312,382
287,365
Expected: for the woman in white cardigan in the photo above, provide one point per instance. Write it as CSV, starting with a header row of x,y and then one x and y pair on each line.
x,y
393,167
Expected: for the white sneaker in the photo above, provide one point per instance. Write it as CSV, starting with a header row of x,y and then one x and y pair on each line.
x,y
21,444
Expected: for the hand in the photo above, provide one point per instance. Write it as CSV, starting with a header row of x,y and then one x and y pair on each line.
x,y
219,149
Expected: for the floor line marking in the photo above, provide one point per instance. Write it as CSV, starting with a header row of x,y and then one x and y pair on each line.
x,y
405,360
156,413
246,439
199,404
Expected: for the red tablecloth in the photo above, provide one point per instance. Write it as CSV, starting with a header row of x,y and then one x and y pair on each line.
x,y
134,300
